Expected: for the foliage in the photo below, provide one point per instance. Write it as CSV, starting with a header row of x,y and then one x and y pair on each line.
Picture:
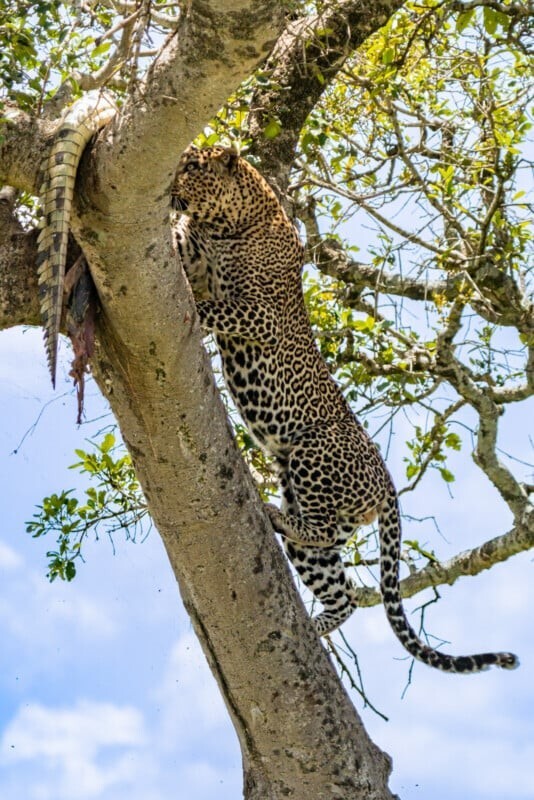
x,y
50,48
433,160
422,139
114,502
412,161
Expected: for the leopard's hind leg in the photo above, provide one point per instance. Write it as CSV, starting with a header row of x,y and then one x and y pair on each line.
x,y
322,571
319,566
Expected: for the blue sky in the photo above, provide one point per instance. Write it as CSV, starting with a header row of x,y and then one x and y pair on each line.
x,y
104,694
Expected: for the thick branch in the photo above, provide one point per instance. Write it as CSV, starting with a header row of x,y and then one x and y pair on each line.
x,y
22,145
307,57
215,46
271,669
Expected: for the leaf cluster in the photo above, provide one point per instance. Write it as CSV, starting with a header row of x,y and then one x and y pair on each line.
x,y
113,502
52,51
422,144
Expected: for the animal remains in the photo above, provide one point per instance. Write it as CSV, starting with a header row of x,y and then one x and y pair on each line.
x,y
58,169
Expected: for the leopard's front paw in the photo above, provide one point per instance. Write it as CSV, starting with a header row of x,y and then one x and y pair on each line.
x,y
275,515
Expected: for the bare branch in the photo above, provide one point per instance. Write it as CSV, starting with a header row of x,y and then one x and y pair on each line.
x,y
213,48
485,456
493,294
162,19
517,9
471,562
94,80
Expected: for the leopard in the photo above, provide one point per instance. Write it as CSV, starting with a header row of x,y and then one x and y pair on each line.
x,y
244,259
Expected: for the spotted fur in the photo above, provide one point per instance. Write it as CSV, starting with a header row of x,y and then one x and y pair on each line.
x,y
58,170
244,259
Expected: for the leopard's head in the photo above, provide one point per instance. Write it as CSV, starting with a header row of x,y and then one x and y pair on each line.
x,y
205,184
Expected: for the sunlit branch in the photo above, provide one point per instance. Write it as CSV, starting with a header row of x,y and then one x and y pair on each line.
x,y
164,20
306,59
519,9
361,201
518,539
99,78
441,208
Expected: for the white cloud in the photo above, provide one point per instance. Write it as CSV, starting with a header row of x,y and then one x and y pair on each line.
x,y
31,609
453,737
73,752
462,763
9,558
191,706
182,745
457,737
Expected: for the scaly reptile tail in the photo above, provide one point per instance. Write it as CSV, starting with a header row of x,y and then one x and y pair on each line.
x,y
59,168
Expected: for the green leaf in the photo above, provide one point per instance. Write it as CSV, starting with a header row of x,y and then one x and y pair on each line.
x,y
324,31
113,501
366,324
414,545
491,20
272,129
100,49
464,19
107,443
447,475
453,441
411,471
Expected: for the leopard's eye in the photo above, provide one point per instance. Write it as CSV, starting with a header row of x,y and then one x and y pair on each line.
x,y
191,167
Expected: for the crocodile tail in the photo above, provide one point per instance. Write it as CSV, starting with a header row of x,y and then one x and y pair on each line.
x,y
390,538
59,168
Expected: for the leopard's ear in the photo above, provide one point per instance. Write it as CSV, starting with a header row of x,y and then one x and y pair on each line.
x,y
226,161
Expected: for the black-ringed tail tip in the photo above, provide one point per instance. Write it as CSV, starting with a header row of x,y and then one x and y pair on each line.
x,y
465,665
58,170
412,643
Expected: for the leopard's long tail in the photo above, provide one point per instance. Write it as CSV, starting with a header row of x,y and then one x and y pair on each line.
x,y
59,167
390,546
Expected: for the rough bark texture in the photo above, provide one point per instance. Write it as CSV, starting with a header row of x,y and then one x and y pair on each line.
x,y
18,277
300,735
235,584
